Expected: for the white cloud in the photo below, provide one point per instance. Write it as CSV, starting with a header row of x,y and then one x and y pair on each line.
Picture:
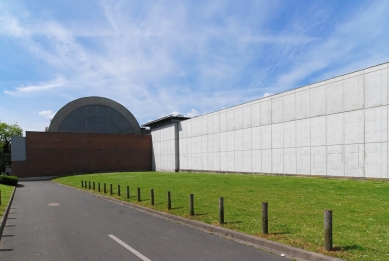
x,y
267,94
193,113
49,114
58,82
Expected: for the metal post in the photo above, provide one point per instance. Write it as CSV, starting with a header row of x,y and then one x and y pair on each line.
x,y
265,218
89,185
128,192
191,203
169,201
152,196
138,194
110,189
82,183
98,187
221,210
118,190
105,188
328,230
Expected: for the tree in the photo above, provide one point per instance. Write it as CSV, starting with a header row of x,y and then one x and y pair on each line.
x,y
6,132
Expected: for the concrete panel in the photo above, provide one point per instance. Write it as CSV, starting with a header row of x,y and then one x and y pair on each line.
x,y
199,161
277,161
210,124
204,161
289,134
238,139
354,93
354,127
289,106
210,160
223,141
318,160
354,157
318,101
182,146
335,129
256,114
335,160
230,120
256,159
276,110
247,116
303,133
204,144
223,121
246,158
266,132
376,124
376,88
238,161
277,135
238,118
216,161
335,96
265,111
290,160
230,141
376,160
303,104
246,139
199,126
204,125
216,123
183,161
318,131
266,164
188,128
256,138
231,161
210,143
216,142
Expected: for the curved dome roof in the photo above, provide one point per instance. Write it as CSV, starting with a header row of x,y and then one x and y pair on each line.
x,y
94,115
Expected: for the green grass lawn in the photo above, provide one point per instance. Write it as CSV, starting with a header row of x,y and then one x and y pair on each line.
x,y
6,192
296,206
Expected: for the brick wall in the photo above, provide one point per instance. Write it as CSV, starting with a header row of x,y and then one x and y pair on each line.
x,y
60,154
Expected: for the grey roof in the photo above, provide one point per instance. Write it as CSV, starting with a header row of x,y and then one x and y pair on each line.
x,y
172,118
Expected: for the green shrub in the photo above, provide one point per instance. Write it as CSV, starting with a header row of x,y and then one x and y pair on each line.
x,y
9,180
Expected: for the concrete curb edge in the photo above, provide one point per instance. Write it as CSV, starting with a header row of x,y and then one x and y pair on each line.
x,y
3,219
290,251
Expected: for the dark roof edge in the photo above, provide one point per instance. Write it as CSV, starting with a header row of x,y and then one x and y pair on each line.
x,y
171,117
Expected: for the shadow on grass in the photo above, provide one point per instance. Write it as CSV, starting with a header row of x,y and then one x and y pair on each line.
x,y
351,247
201,214
280,233
233,222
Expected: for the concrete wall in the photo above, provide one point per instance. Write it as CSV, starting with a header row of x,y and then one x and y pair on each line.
x,y
165,148
337,127
60,154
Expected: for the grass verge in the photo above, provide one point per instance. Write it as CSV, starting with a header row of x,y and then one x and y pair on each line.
x,y
6,192
296,206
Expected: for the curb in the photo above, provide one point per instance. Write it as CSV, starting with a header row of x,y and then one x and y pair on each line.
x,y
3,219
290,251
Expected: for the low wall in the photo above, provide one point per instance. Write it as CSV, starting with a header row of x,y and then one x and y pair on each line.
x,y
60,154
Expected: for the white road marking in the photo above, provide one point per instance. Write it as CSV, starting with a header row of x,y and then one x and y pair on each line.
x,y
132,250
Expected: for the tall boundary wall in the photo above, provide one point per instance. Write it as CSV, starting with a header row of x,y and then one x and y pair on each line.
x,y
61,154
336,127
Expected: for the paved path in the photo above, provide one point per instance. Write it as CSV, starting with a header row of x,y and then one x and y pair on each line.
x,y
48,221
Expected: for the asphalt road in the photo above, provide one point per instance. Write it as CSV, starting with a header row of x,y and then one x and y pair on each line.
x,y
48,221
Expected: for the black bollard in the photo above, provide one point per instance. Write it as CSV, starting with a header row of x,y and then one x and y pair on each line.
x,y
128,191
152,196
221,210
169,201
265,218
118,190
191,204
328,230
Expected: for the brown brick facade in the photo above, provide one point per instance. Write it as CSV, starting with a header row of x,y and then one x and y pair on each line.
x,y
60,154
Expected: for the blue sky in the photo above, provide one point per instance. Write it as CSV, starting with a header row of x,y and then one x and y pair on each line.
x,y
188,57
